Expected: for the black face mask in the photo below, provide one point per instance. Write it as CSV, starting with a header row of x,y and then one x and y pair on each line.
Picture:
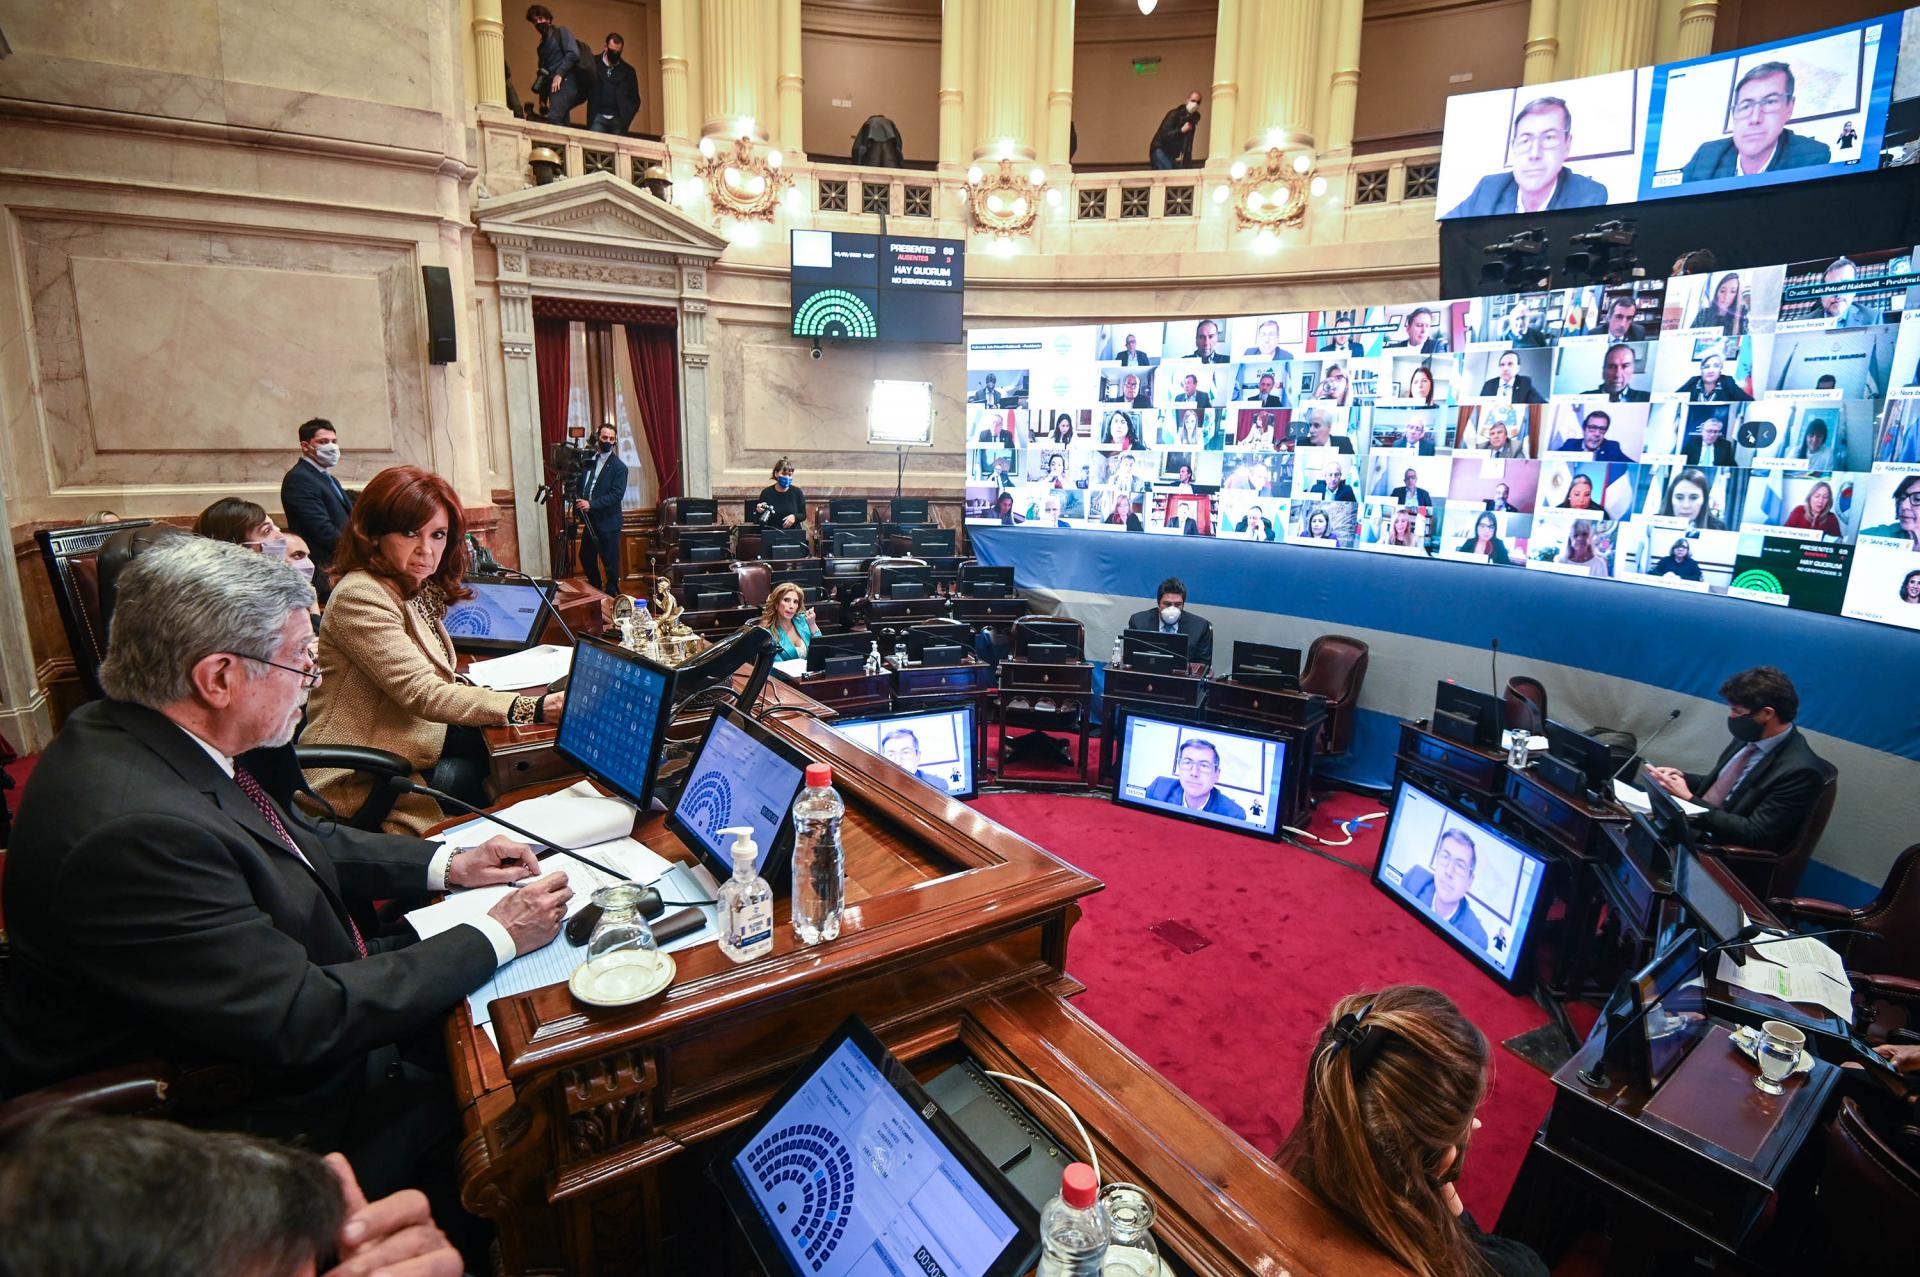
x,y
606,445
1744,728
613,58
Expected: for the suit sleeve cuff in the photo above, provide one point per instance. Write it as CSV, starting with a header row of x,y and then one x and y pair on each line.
x,y
504,949
437,868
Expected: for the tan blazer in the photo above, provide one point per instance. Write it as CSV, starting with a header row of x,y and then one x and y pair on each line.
x,y
387,681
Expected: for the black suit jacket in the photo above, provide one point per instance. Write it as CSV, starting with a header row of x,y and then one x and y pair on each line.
x,y
154,912
604,497
1523,391
1198,629
612,90
1772,802
316,507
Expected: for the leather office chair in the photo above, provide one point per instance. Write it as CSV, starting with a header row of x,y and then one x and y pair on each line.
x,y
71,559
1336,667
1525,704
1885,972
1868,1183
1777,873
756,582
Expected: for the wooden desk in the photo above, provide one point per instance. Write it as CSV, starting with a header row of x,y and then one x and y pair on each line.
x,y
1476,778
587,1131
848,694
993,613
1068,685
1141,689
1295,717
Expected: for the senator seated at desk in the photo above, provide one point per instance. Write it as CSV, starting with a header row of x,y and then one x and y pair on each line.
x,y
1169,615
163,906
387,661
787,615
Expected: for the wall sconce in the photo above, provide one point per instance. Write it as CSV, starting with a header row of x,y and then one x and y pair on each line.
x,y
657,181
547,165
1272,194
741,184
1002,202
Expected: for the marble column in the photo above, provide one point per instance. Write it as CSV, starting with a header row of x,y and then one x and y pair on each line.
x,y
696,423
953,124
676,107
1617,35
489,54
732,67
522,395
792,80
1543,42
1007,77
1277,80
1696,29
1344,91
1225,93
1060,86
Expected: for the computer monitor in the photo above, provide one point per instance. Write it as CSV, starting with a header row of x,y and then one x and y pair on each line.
x,y
1266,665
829,647
502,616
847,510
934,744
1654,1018
742,775
1579,750
770,537
706,591
939,643
1710,904
699,511
905,580
1464,715
1055,640
1478,890
908,510
1667,818
986,581
852,1169
932,542
1200,772
1155,653
856,543
615,718
706,554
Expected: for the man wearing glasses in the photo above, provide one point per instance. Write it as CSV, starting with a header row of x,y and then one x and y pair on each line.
x,y
1760,141
1443,888
1537,179
1192,789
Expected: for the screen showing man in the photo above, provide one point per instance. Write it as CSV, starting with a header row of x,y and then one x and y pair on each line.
x,y
1537,178
1209,774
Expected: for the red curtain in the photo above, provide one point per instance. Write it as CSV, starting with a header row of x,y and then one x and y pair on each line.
x,y
653,348
551,370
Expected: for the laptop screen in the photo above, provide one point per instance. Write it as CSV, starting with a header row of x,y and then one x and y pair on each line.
x,y
499,613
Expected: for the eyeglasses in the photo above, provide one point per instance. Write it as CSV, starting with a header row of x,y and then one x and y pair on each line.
x,y
1550,140
1770,104
1443,861
309,677
1192,763
1912,498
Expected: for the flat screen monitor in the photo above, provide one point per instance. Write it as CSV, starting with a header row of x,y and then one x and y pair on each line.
x,y
1667,818
852,1169
892,576
1200,772
1577,749
1254,661
705,587
1657,1015
1710,904
615,718
1152,650
1470,717
934,744
936,541
699,511
847,510
742,775
940,636
981,580
857,543
908,510
783,536
826,646
1478,890
1065,634
502,615
849,286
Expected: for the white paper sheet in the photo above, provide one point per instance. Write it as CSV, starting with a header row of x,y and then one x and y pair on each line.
x,y
578,816
1634,800
623,855
535,666
795,668
1810,976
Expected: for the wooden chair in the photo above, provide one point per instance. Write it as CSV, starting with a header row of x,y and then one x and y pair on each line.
x,y
1776,873
1867,1184
1336,667
71,558
1885,971
1524,704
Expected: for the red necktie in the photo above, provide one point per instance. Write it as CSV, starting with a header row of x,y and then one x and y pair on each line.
x,y
251,788
1729,778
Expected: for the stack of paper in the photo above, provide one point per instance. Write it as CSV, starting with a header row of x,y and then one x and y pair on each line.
x,y
1634,800
577,817
530,667
1801,969
622,855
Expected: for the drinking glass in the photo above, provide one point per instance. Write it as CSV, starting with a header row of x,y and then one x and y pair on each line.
x,y
1130,1248
1777,1053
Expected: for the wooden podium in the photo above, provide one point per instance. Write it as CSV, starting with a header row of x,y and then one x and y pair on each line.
x,y
588,1131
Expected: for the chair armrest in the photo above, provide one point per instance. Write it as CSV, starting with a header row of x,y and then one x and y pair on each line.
x,y
358,758
1812,910
1749,855
130,1089
1888,988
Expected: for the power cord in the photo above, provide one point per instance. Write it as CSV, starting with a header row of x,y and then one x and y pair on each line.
x,y
1356,822
770,711
1093,1157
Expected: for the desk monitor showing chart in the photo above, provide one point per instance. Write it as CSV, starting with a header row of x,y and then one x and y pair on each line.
x,y
852,287
615,717
1201,772
743,775
1478,890
501,616
853,1170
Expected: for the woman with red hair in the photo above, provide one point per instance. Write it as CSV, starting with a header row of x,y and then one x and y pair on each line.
x,y
386,659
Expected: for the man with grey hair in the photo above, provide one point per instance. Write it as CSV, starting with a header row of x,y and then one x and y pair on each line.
x,y
162,905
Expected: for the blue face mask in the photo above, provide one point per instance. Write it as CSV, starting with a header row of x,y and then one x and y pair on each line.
x,y
784,482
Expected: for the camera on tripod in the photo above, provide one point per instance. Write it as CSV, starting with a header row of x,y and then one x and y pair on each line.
x,y
1519,261
566,462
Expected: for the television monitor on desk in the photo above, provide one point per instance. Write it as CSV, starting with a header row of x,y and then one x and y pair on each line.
x,y
1195,771
1654,1018
908,511
862,542
770,537
905,580
742,775
615,719
934,744
503,615
1152,652
847,510
986,581
699,511
852,1169
1579,750
939,643
931,542
1266,665
1715,909
1042,640
828,653
1464,715
1478,890
709,591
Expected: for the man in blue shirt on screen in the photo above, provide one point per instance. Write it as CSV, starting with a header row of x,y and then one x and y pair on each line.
x,y
1539,180
1760,141
1193,788
1443,889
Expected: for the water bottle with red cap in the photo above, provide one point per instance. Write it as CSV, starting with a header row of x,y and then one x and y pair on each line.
x,y
819,865
1073,1232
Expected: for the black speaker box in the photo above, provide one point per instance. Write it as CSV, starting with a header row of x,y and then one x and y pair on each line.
x,y
441,347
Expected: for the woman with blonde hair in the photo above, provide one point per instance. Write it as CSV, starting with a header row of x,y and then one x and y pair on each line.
x,y
791,621
1392,1086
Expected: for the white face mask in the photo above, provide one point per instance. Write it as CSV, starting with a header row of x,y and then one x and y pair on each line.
x,y
1170,614
303,566
327,455
1193,108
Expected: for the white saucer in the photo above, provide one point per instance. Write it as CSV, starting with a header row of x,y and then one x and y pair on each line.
x,y
621,978
1746,1038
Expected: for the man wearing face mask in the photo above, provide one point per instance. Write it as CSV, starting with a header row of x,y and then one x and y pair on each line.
x,y
1172,145
603,486
613,90
1759,793
315,504
1169,615
560,73
781,505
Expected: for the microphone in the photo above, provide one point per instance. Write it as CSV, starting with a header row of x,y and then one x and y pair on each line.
x,y
542,847
546,599
1750,934
1672,715
1494,646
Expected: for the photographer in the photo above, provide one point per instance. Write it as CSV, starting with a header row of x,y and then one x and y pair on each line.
x,y
600,489
781,505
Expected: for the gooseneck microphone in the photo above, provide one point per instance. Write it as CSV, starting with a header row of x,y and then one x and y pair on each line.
x,y
552,608
1494,649
1672,716
1753,935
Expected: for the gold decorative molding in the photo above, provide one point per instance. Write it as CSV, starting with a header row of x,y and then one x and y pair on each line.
x,y
741,183
1004,202
1271,194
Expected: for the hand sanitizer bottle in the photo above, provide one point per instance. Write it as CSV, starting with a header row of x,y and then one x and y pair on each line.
x,y
873,658
746,902
1119,652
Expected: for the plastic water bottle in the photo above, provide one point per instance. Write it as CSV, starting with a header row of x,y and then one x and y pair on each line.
x,y
1073,1231
1119,652
819,865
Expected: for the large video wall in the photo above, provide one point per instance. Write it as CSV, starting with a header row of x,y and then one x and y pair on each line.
x,y
1749,433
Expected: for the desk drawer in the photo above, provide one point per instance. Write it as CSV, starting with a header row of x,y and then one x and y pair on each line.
x,y
942,678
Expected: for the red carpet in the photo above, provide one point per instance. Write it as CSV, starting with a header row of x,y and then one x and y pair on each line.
x,y
1290,933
